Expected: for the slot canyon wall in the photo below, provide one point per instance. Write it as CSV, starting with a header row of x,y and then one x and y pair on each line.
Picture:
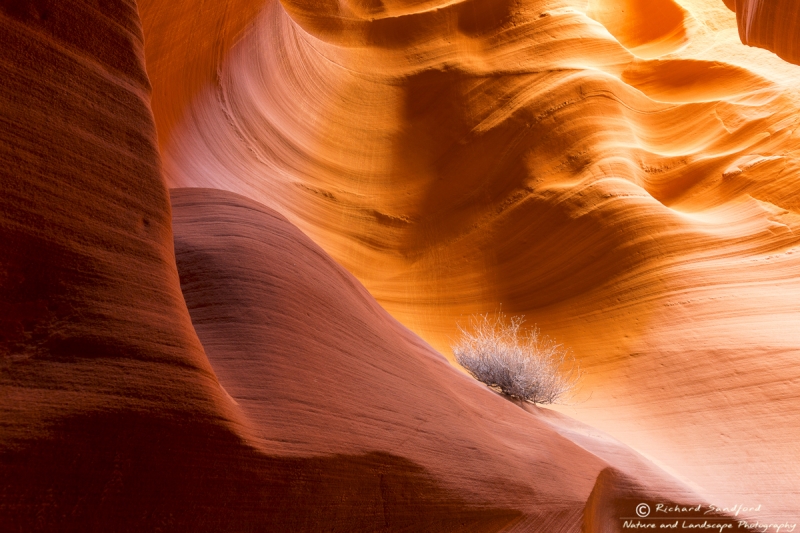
x,y
622,173
207,209
769,24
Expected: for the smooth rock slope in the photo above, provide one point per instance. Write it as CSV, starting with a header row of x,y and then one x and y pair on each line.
x,y
320,370
310,408
624,173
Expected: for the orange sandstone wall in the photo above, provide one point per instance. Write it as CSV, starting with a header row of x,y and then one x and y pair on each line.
x,y
107,400
627,181
185,45
338,417
399,440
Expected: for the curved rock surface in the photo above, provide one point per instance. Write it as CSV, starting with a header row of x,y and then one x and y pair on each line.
x,y
338,417
769,24
626,181
185,45
320,369
108,405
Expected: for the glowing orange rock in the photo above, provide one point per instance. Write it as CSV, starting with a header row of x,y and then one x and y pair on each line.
x,y
625,178
335,415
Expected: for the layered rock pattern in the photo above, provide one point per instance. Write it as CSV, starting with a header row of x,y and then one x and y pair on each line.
x,y
622,173
309,409
321,370
769,24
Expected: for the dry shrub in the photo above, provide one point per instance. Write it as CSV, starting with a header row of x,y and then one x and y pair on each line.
x,y
523,365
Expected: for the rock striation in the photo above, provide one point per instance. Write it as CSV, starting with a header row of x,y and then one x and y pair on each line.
x,y
626,180
400,439
769,24
309,408
218,357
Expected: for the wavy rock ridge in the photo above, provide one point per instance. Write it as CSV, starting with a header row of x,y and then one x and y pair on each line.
x,y
309,409
318,368
627,181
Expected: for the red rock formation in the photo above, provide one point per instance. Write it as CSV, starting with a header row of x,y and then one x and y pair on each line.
x,y
91,306
107,400
338,417
770,24
318,368
627,181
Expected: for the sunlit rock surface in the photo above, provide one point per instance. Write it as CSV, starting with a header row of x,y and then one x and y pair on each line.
x,y
320,370
625,174
307,407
